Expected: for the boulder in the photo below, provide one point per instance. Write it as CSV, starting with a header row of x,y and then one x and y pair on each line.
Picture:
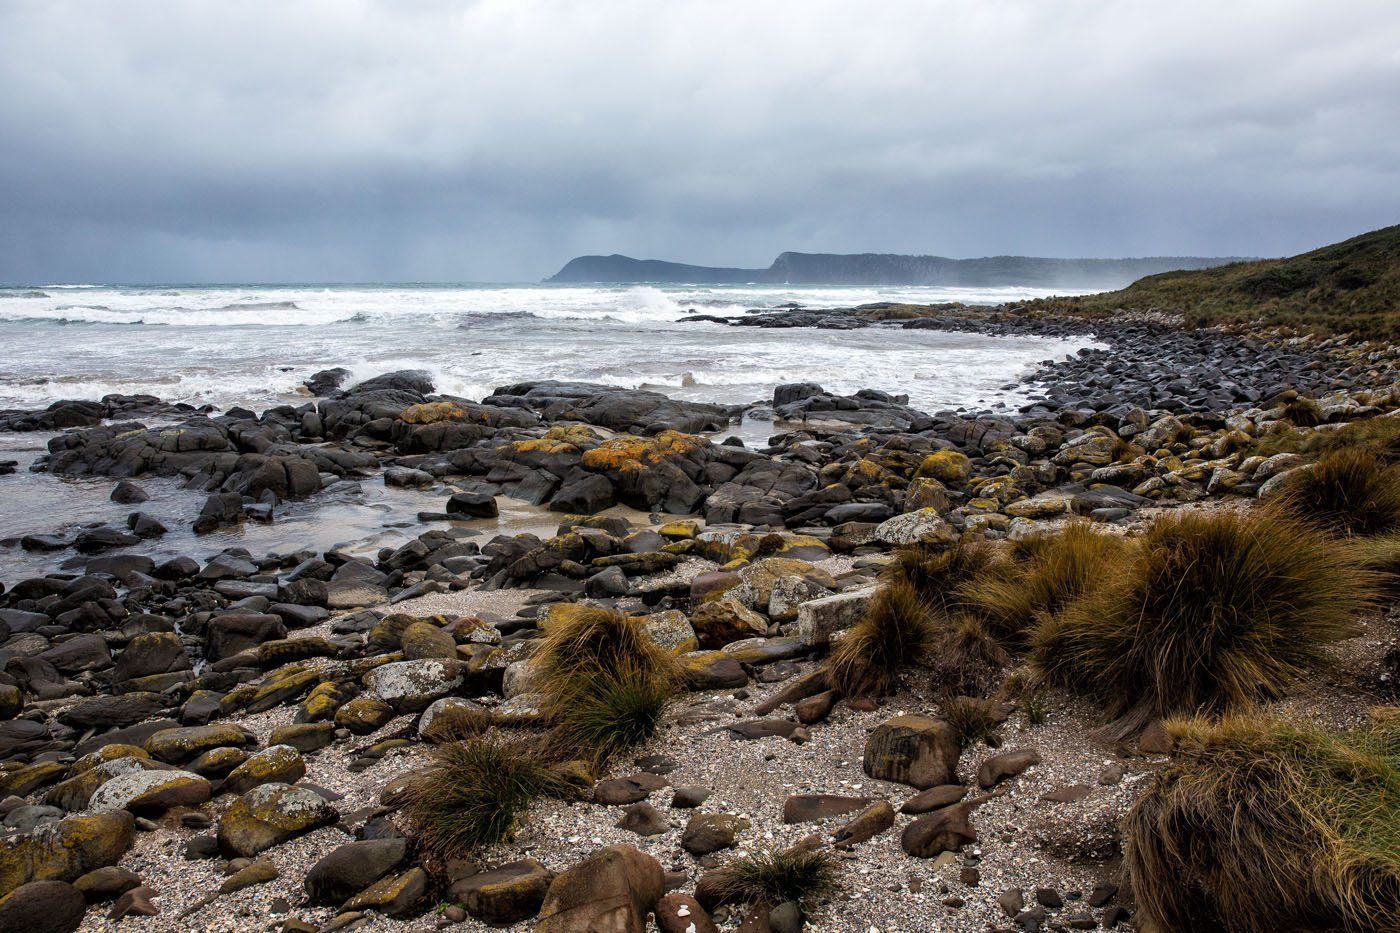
x,y
66,850
150,792
916,750
924,526
43,907
945,830
511,893
278,763
721,621
410,686
397,895
268,815
151,653
1006,765
819,619
352,867
611,891
177,746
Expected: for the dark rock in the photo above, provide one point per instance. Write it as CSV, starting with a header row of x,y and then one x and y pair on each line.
x,y
352,867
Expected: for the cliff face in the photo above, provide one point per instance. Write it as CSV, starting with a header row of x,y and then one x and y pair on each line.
x,y
885,269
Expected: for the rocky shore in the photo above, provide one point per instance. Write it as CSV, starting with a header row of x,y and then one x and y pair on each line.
x,y
222,741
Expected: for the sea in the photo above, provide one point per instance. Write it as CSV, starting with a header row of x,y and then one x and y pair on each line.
x,y
254,345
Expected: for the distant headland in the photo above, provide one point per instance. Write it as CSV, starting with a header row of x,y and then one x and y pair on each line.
x,y
887,269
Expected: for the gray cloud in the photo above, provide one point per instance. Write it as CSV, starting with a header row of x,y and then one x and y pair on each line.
x,y
493,140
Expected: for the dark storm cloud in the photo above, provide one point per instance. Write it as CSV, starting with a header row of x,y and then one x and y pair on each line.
x,y
423,140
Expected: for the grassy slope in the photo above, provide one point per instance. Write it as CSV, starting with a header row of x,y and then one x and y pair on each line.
x,y
1352,286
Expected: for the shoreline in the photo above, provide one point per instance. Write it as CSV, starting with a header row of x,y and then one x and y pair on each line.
x,y
1165,418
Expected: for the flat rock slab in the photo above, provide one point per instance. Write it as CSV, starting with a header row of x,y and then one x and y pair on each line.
x,y
803,808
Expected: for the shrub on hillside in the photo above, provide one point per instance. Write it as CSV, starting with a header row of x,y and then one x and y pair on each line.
x,y
1258,825
1208,612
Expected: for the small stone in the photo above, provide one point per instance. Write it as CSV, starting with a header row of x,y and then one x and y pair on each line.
x,y
643,819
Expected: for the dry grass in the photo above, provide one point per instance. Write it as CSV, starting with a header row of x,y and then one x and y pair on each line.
x,y
1260,826
896,633
920,615
1380,434
1353,491
1303,412
472,793
1047,572
1210,612
942,576
966,658
604,684
1381,556
582,638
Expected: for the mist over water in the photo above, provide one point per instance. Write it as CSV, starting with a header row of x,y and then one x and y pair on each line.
x,y
253,345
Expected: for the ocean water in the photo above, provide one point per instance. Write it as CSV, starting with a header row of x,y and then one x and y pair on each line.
x,y
253,346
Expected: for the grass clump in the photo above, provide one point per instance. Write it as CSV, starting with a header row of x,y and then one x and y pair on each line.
x,y
973,720
600,714
1047,572
473,793
1353,491
942,576
776,876
1380,434
604,684
896,632
1209,612
919,616
1303,412
1259,825
1381,555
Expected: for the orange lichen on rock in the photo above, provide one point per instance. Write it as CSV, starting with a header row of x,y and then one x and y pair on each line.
x,y
630,453
432,413
563,439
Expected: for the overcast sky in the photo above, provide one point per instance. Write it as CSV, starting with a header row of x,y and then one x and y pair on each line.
x,y
352,140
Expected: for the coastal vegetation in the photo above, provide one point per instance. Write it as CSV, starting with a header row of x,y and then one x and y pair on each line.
x,y
1347,287
1259,825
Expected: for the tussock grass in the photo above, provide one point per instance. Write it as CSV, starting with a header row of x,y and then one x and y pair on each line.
x,y
1353,491
973,720
1303,412
1380,433
582,638
942,576
920,616
604,684
600,714
1046,573
776,876
1259,826
897,632
1210,612
1381,556
472,793
966,658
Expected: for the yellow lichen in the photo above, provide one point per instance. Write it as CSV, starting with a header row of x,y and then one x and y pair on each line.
x,y
629,453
